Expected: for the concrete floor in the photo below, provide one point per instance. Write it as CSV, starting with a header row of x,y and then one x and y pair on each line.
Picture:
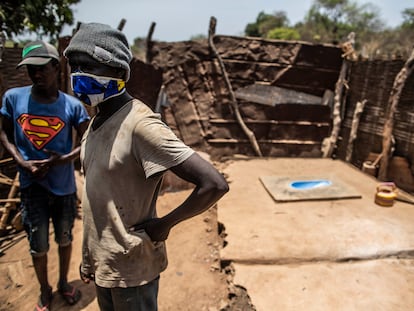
x,y
337,254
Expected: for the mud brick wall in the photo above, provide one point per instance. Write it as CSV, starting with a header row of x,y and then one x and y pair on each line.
x,y
294,65
9,75
373,81
200,103
145,82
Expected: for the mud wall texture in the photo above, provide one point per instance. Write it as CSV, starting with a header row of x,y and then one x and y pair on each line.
x,y
197,103
9,76
200,107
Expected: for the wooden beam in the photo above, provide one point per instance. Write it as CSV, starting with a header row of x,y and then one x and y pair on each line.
x,y
246,130
359,108
393,100
9,205
262,141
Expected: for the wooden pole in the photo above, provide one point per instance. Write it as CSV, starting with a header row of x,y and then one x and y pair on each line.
x,y
149,43
246,130
359,108
9,205
2,44
393,100
121,24
330,143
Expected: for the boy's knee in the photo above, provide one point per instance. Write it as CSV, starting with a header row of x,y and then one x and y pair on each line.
x,y
65,244
36,254
64,239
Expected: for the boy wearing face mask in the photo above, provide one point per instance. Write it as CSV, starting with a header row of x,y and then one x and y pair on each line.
x,y
37,123
124,154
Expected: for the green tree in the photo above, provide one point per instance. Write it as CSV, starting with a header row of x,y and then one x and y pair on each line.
x,y
332,20
139,48
398,42
265,23
43,17
199,37
283,33
408,16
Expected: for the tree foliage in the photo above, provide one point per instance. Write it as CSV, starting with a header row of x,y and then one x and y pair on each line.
x,y
283,33
265,23
139,47
43,17
408,16
198,37
326,21
331,21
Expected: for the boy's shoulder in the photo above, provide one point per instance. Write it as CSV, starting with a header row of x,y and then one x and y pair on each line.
x,y
18,90
71,98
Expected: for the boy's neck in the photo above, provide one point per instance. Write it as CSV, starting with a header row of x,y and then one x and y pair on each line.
x,y
44,96
109,107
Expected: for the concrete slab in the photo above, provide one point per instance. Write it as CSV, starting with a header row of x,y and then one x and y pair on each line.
x,y
386,285
342,254
263,231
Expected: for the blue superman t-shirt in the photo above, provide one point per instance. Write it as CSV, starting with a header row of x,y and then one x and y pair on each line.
x,y
39,127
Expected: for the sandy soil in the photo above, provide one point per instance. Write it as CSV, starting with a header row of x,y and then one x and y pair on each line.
x,y
193,280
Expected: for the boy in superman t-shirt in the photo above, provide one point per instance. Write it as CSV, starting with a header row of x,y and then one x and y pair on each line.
x,y
37,124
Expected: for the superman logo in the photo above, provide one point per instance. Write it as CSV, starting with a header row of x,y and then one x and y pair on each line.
x,y
40,129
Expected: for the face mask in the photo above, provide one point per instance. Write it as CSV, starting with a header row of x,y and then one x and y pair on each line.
x,y
93,90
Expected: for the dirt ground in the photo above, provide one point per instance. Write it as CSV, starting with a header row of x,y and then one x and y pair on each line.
x,y
193,280
339,254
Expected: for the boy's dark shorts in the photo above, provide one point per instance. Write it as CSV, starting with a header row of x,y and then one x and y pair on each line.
x,y
38,206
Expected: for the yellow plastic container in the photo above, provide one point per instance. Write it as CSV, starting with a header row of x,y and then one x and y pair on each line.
x,y
386,194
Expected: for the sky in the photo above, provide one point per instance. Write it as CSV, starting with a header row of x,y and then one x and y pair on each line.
x,y
179,20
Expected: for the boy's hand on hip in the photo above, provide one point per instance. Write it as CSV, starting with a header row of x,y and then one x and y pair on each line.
x,y
155,228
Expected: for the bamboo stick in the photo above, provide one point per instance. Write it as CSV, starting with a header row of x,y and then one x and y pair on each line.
x,y
246,130
354,129
9,205
393,100
330,143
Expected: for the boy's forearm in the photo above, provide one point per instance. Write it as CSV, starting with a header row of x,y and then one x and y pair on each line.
x,y
198,202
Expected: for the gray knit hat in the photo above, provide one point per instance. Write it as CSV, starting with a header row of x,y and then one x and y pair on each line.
x,y
104,44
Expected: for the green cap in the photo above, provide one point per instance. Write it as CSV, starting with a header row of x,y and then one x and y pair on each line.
x,y
38,53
